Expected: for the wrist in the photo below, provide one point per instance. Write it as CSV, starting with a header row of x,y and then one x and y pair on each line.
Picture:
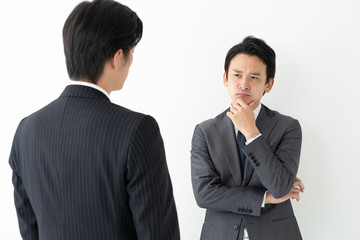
x,y
267,198
252,134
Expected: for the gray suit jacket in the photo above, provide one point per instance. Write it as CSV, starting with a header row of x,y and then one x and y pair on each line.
x,y
85,168
234,201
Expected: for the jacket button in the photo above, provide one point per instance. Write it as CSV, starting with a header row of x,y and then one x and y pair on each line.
x,y
257,164
236,227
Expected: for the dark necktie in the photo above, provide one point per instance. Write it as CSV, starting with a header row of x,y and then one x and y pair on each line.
x,y
241,142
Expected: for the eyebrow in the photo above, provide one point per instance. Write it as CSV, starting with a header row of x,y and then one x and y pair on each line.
x,y
252,73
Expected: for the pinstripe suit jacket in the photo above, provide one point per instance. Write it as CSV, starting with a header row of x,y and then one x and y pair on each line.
x,y
84,168
232,199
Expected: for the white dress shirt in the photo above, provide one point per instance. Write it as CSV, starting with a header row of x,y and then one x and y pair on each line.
x,y
92,85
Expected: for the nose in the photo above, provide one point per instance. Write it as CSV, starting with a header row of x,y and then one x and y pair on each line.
x,y
244,84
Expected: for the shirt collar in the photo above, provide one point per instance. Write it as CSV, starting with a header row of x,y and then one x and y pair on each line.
x,y
92,85
257,111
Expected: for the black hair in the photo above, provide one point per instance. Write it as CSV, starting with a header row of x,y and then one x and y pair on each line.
x,y
94,32
254,47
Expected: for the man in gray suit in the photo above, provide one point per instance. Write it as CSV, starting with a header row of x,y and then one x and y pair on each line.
x,y
244,161
85,168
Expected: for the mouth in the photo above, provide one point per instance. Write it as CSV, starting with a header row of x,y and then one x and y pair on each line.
x,y
245,97
242,95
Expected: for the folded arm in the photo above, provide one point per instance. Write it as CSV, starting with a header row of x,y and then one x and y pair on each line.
x,y
277,168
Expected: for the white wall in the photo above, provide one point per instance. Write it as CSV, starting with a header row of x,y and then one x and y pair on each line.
x,y
177,77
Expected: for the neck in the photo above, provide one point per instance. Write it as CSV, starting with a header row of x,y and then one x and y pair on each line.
x,y
104,86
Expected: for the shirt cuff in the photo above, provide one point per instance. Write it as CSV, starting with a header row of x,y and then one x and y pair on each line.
x,y
263,203
252,139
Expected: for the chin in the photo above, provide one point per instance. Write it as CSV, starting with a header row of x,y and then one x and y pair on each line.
x,y
120,87
245,99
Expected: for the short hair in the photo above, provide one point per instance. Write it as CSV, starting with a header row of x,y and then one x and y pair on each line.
x,y
254,47
94,32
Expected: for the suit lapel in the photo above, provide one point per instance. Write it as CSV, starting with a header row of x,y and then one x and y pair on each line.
x,y
265,123
227,141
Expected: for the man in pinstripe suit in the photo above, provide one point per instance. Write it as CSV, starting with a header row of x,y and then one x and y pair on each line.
x,y
83,167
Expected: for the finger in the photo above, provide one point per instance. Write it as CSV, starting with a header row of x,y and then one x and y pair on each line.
x,y
295,195
297,180
236,106
297,198
241,102
299,184
302,187
232,111
230,115
295,191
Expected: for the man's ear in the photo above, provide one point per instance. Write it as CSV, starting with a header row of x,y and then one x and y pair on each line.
x,y
269,85
225,80
117,59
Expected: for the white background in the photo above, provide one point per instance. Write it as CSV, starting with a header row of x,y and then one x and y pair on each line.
x,y
176,77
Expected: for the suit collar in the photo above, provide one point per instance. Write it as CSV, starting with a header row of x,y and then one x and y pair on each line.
x,y
83,92
89,84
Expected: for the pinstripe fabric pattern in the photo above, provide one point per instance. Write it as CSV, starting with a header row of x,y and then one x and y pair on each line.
x,y
84,168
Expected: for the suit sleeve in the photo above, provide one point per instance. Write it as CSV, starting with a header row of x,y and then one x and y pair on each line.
x,y
277,167
149,185
25,213
209,191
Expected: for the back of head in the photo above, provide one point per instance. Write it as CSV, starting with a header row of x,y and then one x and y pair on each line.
x,y
254,47
94,32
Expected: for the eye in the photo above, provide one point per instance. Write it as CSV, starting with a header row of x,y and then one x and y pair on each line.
x,y
254,77
236,75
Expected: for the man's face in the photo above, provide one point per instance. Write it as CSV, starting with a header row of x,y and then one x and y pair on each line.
x,y
246,79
